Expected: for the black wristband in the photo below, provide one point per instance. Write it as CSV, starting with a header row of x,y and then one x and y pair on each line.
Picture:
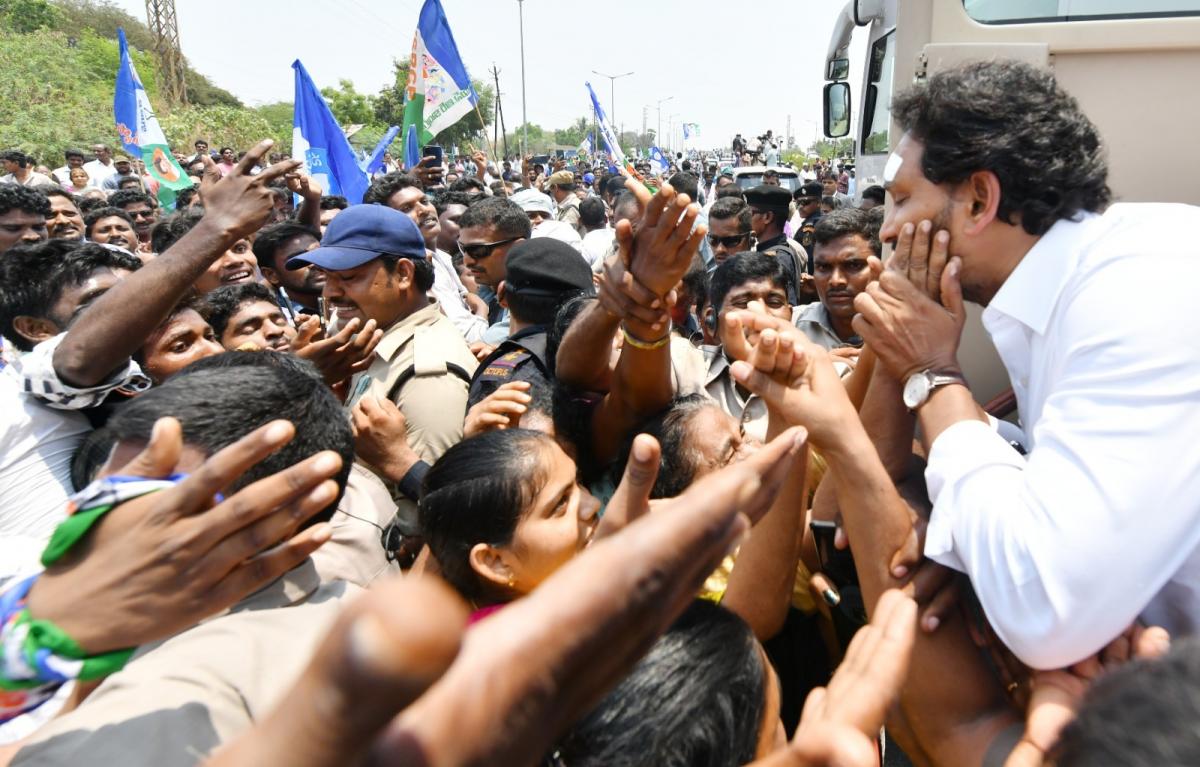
x,y
410,483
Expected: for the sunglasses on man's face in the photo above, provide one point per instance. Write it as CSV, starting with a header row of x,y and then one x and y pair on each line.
x,y
802,201
480,250
728,242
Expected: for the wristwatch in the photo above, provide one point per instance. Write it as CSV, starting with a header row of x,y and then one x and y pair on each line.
x,y
920,385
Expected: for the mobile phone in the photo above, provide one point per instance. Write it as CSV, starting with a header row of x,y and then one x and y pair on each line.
x,y
836,563
432,150
321,313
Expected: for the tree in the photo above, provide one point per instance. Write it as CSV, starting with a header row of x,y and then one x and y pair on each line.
x,y
236,127
389,110
573,134
827,149
349,106
25,16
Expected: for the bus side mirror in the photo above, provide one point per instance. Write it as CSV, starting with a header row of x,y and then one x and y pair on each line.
x,y
837,109
837,69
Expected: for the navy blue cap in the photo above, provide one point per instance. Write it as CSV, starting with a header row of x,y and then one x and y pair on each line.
x,y
360,234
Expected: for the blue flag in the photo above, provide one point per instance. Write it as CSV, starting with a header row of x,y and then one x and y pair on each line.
x,y
439,91
412,148
375,161
141,135
317,139
658,163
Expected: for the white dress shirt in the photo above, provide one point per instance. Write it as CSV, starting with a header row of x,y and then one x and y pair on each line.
x,y
450,293
1101,523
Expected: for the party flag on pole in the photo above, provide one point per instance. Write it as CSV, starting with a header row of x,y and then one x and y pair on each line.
x,y
140,133
318,140
439,92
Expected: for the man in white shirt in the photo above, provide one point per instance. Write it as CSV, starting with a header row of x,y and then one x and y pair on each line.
x,y
102,167
18,168
1100,523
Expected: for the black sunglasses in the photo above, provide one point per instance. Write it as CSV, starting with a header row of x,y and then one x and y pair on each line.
x,y
728,242
481,250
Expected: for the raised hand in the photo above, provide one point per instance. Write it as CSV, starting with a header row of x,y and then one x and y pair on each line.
x,y
662,244
342,355
239,204
304,185
502,409
921,255
158,564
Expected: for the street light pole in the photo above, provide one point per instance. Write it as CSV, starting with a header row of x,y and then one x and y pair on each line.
x,y
658,131
612,94
524,116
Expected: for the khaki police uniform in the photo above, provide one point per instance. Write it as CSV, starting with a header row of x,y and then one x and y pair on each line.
x,y
176,701
424,366
356,553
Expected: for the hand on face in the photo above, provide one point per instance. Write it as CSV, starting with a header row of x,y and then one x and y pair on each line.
x,y
340,356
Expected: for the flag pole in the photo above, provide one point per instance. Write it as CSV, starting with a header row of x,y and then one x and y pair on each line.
x,y
483,129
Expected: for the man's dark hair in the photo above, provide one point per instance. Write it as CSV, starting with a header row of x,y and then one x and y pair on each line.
x,y
269,238
1011,119
846,221
422,270
741,268
504,214
171,229
731,190
592,212
626,201
876,193
220,399
696,283
87,204
33,278
477,492
614,186
221,304
1142,714
54,190
183,198
18,197
382,188
126,197
69,153
16,155
92,216
334,202
696,699
468,184
685,183
446,199
731,207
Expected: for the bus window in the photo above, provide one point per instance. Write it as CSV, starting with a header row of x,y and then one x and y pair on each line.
x,y
1018,11
877,113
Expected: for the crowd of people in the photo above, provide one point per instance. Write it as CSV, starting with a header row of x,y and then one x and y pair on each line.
x,y
523,463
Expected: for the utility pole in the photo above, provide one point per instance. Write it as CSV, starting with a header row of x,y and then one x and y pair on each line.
x,y
641,138
160,17
612,96
524,116
658,131
498,123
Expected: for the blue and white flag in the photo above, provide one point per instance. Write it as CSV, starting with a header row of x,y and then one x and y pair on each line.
x,y
141,135
586,145
610,136
658,163
439,91
374,162
318,140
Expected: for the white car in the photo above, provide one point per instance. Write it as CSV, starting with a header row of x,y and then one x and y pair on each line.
x,y
752,176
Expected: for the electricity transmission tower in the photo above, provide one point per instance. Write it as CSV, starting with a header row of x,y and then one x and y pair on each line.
x,y
160,16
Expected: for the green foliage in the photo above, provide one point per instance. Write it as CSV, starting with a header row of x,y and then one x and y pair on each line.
x,y
53,96
349,106
25,16
827,148
237,127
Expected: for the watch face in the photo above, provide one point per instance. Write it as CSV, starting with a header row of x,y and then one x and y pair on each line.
x,y
916,390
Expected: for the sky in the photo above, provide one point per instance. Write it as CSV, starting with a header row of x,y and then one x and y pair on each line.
x,y
706,55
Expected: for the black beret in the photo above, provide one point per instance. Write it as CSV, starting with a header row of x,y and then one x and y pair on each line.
x,y
768,196
811,189
546,266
